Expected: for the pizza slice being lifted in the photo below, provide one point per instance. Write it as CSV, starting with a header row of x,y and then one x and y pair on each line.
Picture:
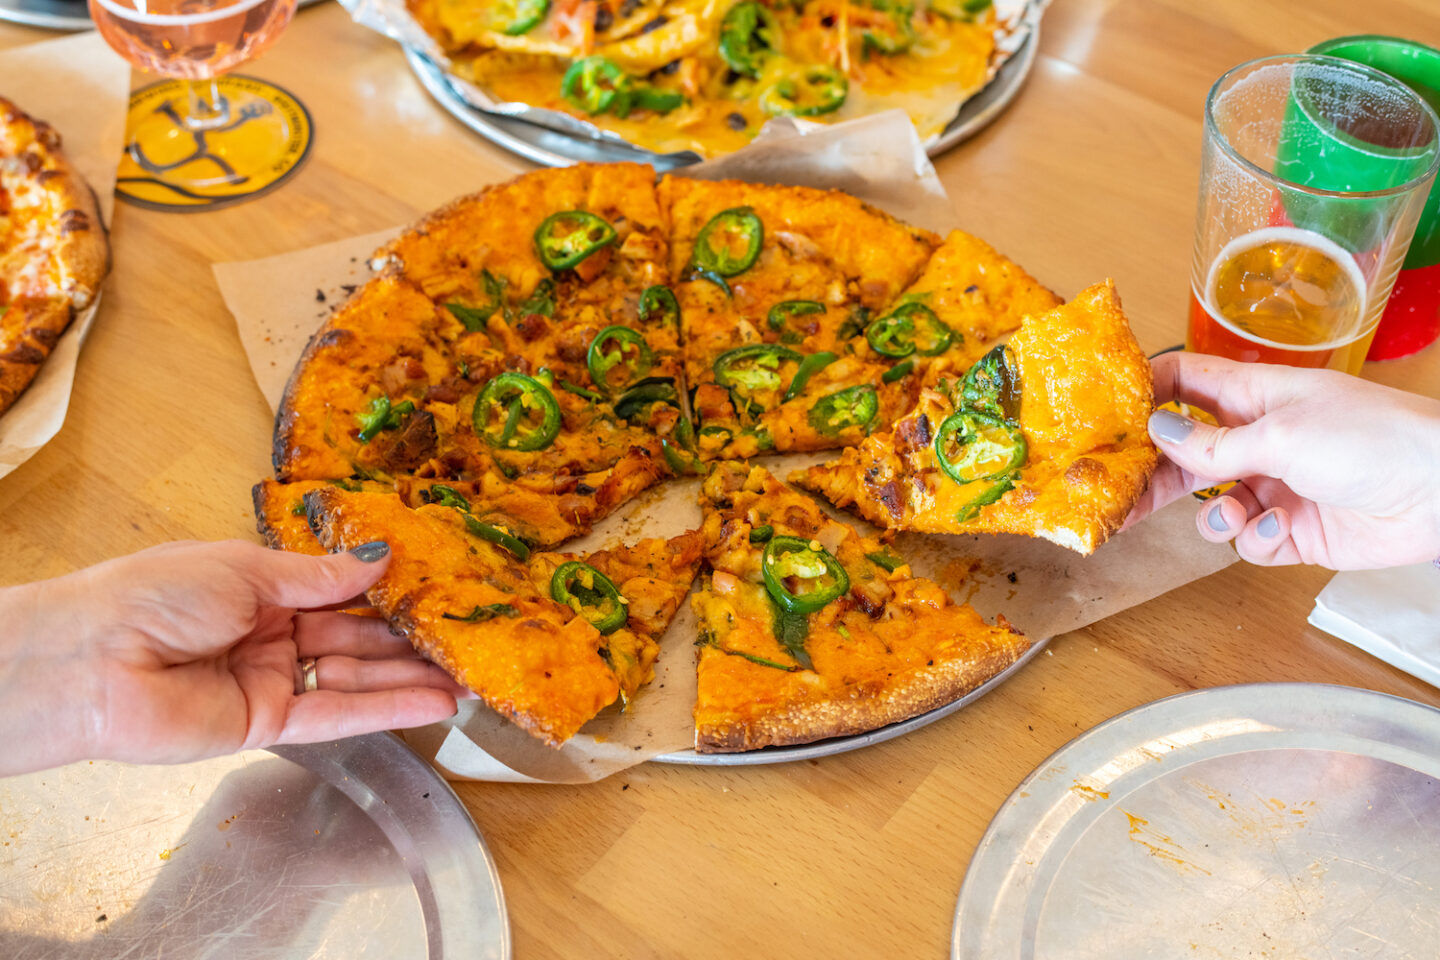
x,y
1045,436
809,631
547,640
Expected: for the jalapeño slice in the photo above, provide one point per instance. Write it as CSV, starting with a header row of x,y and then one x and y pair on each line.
x,y
810,366
729,243
642,394
658,306
590,594
516,17
620,349
592,84
516,412
964,10
971,446
806,564
807,91
901,370
896,36
495,535
564,239
992,385
754,368
908,328
783,311
851,407
748,35
986,493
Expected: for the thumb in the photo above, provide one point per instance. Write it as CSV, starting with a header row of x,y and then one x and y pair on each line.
x,y
1214,453
305,582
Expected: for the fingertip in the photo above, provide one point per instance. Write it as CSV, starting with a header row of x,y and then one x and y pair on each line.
x,y
1166,427
1266,541
1220,520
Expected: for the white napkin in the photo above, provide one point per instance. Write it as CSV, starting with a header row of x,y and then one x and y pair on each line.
x,y
1391,614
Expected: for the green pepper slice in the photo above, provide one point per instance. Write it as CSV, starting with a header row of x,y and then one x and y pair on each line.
x,y
762,533
522,399
611,350
964,10
908,328
748,35
381,415
971,446
992,385
658,306
579,391
495,535
898,371
986,494
753,368
645,392
805,561
885,561
680,461
473,318
899,34
808,91
810,366
444,496
729,243
653,98
515,17
787,309
590,594
593,83
564,239
851,407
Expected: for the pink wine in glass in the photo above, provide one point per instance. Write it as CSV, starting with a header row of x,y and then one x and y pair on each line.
x,y
191,39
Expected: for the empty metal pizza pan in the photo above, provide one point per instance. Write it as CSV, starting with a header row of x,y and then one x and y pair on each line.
x,y
1268,820
342,850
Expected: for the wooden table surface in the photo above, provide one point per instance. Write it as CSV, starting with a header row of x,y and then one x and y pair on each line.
x,y
1091,173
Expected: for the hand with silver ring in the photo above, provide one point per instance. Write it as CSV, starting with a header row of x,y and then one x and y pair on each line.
x,y
190,650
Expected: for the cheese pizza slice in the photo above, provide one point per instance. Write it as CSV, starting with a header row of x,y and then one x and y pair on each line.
x,y
809,630
1045,436
547,640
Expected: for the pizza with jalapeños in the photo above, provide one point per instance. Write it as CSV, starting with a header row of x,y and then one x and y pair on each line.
x,y
53,249
705,75
528,359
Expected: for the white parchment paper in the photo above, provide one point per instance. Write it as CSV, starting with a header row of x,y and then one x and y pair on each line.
x,y
1042,588
83,94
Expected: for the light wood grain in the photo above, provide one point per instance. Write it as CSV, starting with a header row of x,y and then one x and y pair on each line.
x,y
1092,173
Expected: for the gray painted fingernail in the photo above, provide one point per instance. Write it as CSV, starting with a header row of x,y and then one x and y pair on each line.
x,y
1215,520
1170,426
1268,526
372,551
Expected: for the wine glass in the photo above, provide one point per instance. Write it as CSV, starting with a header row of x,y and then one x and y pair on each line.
x,y
203,137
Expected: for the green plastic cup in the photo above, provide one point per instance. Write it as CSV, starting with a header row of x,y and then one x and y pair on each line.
x,y
1354,130
1418,67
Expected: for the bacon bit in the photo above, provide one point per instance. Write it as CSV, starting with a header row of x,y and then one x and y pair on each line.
x,y
595,264
724,583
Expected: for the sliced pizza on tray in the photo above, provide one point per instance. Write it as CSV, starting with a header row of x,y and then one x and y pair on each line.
x,y
773,284
547,640
1045,436
810,631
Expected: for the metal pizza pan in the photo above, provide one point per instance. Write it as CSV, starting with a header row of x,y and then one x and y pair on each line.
x,y
346,850
554,148
1274,820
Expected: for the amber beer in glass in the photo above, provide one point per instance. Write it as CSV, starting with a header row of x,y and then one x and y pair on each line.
x,y
1314,172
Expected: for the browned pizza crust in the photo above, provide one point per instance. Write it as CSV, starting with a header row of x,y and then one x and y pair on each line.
x,y
53,248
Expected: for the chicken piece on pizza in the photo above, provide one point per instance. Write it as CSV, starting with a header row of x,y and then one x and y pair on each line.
x,y
809,631
53,250
773,283
466,595
1044,437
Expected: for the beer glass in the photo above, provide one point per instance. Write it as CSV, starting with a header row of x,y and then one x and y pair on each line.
x,y
1314,171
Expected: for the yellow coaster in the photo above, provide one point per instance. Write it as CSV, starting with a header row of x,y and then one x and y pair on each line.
x,y
167,166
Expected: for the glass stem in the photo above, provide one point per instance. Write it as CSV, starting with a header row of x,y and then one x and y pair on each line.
x,y
207,109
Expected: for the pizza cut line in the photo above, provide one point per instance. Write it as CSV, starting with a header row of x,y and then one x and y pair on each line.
x,y
528,359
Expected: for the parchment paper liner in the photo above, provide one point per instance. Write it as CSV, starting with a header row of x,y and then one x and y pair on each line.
x,y
84,94
881,160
